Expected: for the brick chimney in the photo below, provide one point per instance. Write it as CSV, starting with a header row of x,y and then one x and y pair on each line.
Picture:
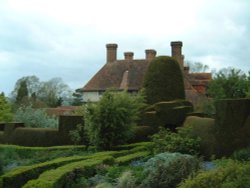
x,y
128,56
176,52
111,52
150,54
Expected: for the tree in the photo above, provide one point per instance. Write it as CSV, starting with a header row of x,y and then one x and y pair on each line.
x,y
22,92
110,121
50,93
195,67
229,83
163,80
35,117
78,100
54,92
5,109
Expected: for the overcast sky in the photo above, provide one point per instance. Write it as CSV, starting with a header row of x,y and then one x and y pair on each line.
x,y
66,38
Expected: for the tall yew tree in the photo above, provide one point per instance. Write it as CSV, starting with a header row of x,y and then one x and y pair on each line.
x,y
22,92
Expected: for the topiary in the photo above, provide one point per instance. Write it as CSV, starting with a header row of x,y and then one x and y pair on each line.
x,y
166,170
163,80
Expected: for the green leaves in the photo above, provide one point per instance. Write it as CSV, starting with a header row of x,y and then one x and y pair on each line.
x,y
110,121
5,110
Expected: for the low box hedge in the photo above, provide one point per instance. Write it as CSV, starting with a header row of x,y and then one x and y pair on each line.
x,y
131,157
63,175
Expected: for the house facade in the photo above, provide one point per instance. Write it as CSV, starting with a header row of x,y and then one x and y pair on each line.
x,y
128,74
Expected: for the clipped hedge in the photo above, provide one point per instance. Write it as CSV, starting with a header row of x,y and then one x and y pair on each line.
x,y
1,137
34,137
19,176
168,114
64,175
142,133
204,128
131,157
231,115
163,80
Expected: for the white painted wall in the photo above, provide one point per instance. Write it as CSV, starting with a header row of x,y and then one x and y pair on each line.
x,y
92,96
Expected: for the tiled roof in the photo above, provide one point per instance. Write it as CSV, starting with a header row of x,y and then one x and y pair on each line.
x,y
119,75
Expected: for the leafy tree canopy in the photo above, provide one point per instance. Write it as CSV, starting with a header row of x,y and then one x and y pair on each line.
x,y
5,109
49,93
229,83
197,67
110,121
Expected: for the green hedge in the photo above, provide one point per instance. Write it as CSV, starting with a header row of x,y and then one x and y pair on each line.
x,y
231,115
19,176
62,176
131,157
34,137
1,137
169,114
142,133
205,129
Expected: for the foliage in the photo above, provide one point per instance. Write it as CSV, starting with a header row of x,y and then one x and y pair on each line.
x,y
110,121
78,97
35,117
229,83
166,170
242,154
182,141
5,109
22,92
51,93
77,134
163,80
126,180
204,128
231,175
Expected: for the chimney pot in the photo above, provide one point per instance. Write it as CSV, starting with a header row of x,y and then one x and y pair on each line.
x,y
111,52
150,54
128,56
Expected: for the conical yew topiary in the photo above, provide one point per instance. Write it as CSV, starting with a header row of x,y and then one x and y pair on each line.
x,y
163,80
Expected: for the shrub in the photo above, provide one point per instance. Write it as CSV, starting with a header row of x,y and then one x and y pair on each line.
x,y
163,80
204,128
242,154
233,174
111,121
142,133
5,109
182,141
126,180
166,170
35,118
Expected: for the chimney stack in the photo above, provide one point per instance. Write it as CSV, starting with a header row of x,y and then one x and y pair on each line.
x,y
128,56
150,54
176,52
111,52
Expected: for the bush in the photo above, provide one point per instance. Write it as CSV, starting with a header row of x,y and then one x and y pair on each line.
x,y
111,121
182,141
204,128
35,118
126,180
163,80
167,170
242,154
233,174
142,133
5,110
